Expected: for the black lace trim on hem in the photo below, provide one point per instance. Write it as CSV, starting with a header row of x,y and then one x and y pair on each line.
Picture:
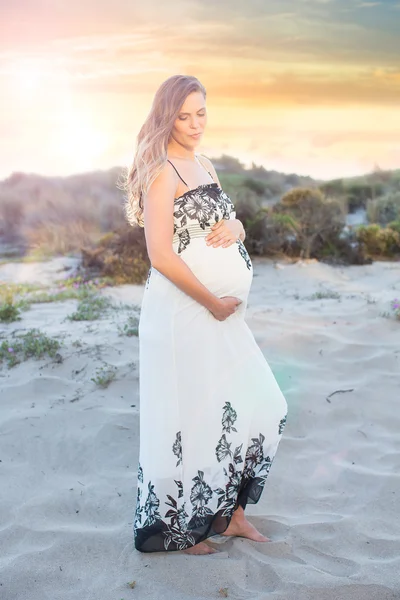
x,y
152,537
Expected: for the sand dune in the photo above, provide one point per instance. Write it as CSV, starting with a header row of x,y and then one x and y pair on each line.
x,y
68,452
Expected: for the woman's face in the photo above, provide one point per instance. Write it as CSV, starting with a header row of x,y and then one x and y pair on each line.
x,y
191,120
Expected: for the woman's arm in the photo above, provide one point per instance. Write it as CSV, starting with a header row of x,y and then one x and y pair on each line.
x,y
159,227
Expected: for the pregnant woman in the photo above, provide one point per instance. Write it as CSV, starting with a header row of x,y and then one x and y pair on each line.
x,y
211,411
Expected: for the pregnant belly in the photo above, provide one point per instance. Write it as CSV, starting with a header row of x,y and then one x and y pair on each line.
x,y
224,271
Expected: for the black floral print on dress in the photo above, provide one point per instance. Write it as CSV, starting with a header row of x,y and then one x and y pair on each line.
x,y
233,474
254,456
148,279
229,417
237,457
177,531
184,240
177,447
176,527
151,507
234,480
203,206
139,509
198,206
223,448
264,469
180,488
243,253
282,424
200,495
233,484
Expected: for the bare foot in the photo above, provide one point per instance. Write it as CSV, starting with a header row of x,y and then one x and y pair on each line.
x,y
242,528
200,548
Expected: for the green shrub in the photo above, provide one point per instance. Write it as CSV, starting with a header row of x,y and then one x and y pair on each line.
x,y
379,241
131,327
385,209
359,193
333,188
105,375
9,310
306,213
395,225
32,344
258,187
266,233
90,307
324,295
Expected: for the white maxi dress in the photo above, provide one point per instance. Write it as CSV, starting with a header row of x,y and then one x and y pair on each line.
x,y
211,411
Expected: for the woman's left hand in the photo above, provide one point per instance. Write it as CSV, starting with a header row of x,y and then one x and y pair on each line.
x,y
225,233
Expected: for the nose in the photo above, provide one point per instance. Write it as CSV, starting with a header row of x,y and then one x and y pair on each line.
x,y
194,124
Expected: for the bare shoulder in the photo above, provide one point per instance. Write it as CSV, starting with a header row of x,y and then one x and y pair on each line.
x,y
164,185
210,167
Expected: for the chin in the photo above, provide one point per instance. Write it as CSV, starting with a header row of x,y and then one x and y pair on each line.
x,y
193,143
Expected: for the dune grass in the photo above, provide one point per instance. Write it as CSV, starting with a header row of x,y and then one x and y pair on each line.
x,y
105,375
32,344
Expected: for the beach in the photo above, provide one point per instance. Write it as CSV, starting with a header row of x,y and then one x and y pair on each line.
x,y
69,449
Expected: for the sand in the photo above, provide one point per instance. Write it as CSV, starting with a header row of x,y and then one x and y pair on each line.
x,y
69,448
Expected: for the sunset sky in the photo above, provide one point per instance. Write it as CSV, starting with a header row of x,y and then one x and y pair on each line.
x,y
304,86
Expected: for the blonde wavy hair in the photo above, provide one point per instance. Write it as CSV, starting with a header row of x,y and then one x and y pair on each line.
x,y
152,141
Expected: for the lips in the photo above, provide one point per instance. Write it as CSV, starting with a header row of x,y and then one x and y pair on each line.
x,y
196,135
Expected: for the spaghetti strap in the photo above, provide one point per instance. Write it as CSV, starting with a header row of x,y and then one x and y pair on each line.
x,y
178,173
182,178
205,168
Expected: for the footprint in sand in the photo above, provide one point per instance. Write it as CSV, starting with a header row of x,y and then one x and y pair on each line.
x,y
334,565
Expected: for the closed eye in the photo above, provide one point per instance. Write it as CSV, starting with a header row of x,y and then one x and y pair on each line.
x,y
184,118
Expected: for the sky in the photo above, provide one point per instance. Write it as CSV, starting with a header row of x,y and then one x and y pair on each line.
x,y
300,86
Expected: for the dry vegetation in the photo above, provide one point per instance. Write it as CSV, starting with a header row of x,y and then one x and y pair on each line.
x,y
283,215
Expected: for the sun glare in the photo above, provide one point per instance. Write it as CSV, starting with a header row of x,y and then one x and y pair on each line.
x,y
82,141
29,76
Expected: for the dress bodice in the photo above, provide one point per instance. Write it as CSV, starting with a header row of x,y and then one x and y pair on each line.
x,y
197,210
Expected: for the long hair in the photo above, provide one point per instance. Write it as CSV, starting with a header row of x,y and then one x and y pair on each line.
x,y
152,141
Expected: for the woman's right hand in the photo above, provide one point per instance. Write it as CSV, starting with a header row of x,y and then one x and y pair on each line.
x,y
225,307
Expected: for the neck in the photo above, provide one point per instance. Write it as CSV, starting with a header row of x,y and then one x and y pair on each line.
x,y
175,150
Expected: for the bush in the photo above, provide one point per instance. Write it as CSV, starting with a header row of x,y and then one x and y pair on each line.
x,y
266,235
358,194
9,310
333,188
337,248
379,241
121,255
395,225
258,187
385,209
306,213
269,233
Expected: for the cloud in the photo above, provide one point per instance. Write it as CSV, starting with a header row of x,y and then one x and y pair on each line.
x,y
325,140
270,56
